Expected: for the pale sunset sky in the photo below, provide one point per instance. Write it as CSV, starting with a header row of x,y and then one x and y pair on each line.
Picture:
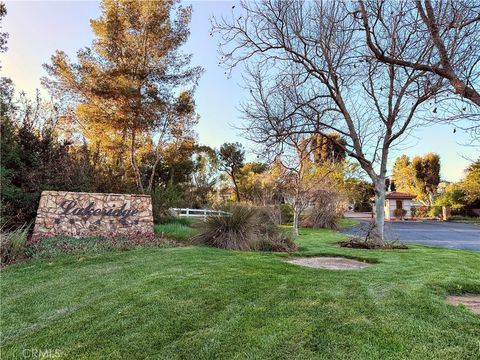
x,y
38,28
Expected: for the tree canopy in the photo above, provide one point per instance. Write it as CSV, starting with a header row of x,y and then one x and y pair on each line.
x,y
129,83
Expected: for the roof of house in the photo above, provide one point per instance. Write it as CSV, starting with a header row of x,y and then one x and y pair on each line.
x,y
399,195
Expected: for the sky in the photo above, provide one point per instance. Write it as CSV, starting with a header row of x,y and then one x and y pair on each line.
x,y
38,28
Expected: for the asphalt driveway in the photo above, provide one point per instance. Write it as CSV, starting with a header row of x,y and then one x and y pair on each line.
x,y
436,233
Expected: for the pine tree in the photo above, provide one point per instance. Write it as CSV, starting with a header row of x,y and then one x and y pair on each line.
x,y
127,85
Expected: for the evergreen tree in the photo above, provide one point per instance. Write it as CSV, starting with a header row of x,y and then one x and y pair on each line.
x,y
127,85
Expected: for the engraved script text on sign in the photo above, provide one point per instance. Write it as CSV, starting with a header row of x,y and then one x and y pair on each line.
x,y
88,214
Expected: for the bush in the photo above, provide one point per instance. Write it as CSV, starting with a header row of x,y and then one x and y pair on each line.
x,y
164,198
435,211
13,245
399,213
322,219
287,213
33,159
246,228
422,211
426,211
363,207
414,211
270,215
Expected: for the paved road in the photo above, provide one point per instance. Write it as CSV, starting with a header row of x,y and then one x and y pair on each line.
x,y
447,234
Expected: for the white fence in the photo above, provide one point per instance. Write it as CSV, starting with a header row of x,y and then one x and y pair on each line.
x,y
198,213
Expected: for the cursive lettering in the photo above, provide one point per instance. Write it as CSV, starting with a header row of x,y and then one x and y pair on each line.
x,y
70,207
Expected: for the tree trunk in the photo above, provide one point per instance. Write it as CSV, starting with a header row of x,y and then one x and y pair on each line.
x,y
379,208
152,175
237,192
138,178
296,216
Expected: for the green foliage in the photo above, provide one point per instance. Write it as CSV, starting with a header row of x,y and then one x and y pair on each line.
x,y
427,172
163,198
426,211
399,213
420,177
435,212
178,228
124,92
414,211
13,244
454,198
471,183
404,175
422,211
359,193
247,228
232,157
286,213
33,158
250,181
204,177
3,35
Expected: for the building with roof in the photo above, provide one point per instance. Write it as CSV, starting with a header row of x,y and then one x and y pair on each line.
x,y
398,200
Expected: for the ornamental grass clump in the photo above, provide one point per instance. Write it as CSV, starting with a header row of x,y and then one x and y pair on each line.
x,y
246,228
13,244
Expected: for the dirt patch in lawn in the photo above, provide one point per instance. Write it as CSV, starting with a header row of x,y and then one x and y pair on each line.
x,y
324,262
470,301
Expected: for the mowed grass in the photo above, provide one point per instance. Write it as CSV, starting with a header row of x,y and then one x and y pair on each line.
x,y
204,303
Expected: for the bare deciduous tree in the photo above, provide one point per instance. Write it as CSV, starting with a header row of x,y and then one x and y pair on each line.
x,y
299,175
442,38
310,71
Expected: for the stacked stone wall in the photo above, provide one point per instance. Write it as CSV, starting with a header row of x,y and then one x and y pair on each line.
x,y
91,214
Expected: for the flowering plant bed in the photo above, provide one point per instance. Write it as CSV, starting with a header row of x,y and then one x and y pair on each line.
x,y
50,246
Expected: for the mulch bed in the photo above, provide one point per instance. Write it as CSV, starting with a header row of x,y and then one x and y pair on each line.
x,y
370,244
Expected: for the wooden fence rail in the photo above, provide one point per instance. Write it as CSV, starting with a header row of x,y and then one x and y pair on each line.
x,y
198,213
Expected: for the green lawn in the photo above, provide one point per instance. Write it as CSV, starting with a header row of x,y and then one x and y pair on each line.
x,y
204,303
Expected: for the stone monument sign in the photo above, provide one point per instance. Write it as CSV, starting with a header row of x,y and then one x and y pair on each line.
x,y
89,214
